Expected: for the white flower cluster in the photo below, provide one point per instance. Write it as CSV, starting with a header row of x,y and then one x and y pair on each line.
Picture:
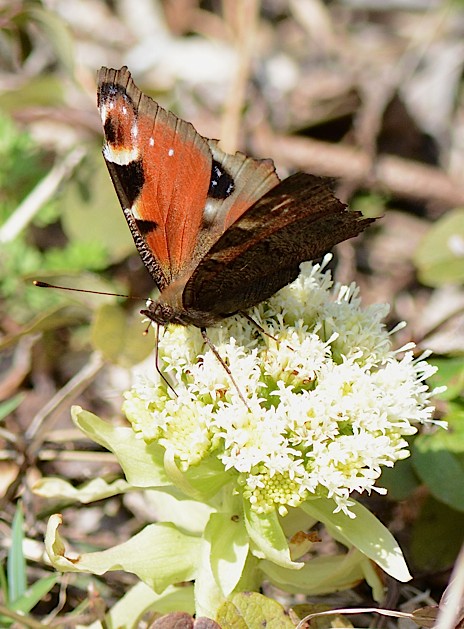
x,y
328,402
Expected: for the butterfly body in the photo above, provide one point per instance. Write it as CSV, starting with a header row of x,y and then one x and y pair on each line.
x,y
218,233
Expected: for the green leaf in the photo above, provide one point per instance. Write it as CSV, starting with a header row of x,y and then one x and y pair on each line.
x,y
450,374
320,575
437,536
23,164
8,406
89,199
142,464
160,555
452,438
250,610
228,540
76,257
119,337
95,489
17,582
440,469
34,594
364,532
439,257
400,481
189,515
3,583
270,542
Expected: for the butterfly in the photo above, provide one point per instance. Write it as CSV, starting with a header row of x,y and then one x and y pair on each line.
x,y
218,233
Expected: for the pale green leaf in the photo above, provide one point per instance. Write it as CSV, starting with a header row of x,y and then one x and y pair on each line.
x,y
8,406
365,532
120,337
320,575
189,515
142,464
200,482
96,489
160,555
440,255
89,198
270,542
228,540
208,594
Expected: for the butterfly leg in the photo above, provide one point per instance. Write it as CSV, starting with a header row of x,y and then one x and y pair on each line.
x,y
213,348
257,326
157,367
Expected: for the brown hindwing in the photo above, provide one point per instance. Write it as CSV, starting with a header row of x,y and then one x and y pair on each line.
x,y
298,220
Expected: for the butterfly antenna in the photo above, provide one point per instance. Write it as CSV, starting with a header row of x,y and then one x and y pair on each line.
x,y
91,292
213,348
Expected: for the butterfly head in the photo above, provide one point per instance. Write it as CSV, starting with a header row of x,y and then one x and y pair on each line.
x,y
161,313
164,313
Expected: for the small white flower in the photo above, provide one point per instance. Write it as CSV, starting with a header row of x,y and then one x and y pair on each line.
x,y
328,402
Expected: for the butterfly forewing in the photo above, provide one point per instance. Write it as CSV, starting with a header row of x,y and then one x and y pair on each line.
x,y
153,158
179,191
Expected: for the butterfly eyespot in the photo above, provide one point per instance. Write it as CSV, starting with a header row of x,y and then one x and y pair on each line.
x,y
221,184
171,152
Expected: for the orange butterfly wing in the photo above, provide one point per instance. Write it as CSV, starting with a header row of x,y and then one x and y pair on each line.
x,y
179,192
